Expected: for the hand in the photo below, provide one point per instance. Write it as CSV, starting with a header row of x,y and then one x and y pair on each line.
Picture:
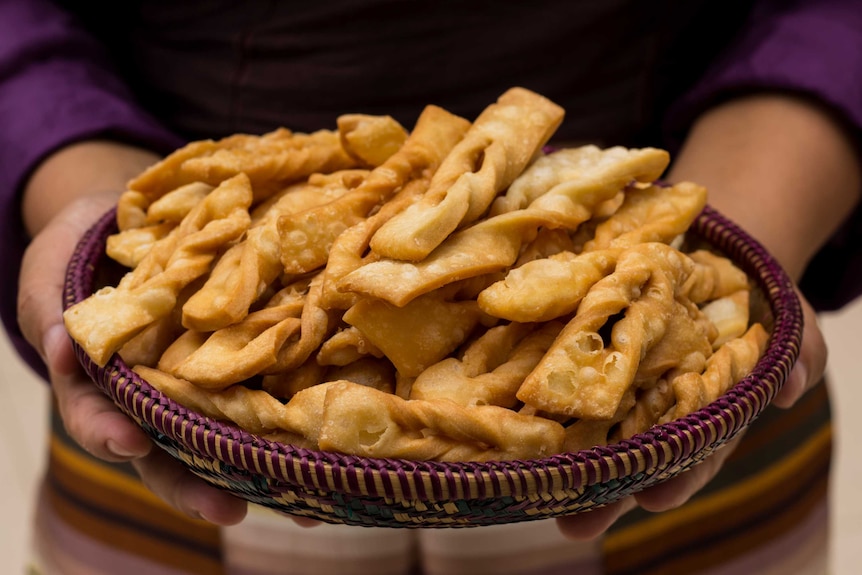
x,y
795,159
811,363
90,417
807,372
663,497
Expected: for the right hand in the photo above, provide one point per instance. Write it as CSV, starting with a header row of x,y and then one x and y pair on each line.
x,y
89,416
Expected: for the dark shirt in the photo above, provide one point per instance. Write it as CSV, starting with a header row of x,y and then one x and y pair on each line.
x,y
209,69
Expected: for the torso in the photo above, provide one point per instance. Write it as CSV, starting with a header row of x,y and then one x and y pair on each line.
x,y
210,69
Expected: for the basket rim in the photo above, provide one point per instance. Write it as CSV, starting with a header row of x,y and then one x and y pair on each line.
x,y
654,451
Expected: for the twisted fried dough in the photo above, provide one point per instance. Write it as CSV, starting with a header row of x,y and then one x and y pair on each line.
x,y
494,243
492,368
105,321
371,423
307,236
498,146
582,375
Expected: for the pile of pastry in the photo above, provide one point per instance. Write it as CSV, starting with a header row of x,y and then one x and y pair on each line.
x,y
451,292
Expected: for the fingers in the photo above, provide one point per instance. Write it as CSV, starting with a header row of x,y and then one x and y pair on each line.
x,y
677,490
662,497
90,417
811,363
94,422
177,486
590,524
301,521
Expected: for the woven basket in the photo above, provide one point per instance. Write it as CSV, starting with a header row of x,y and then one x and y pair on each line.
x,y
338,488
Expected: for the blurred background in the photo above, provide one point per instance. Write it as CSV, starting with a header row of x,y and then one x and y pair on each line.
x,y
23,424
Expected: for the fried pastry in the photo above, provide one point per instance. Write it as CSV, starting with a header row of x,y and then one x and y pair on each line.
x,y
502,141
492,368
576,180
104,322
132,245
587,433
687,340
492,244
255,411
713,277
371,140
452,293
307,236
346,346
726,367
418,334
270,161
652,214
370,423
730,316
349,251
547,288
583,375
244,272
242,350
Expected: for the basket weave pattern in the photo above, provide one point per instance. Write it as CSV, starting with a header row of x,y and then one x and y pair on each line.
x,y
340,488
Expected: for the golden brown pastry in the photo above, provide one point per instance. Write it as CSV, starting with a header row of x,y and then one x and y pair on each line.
x,y
449,293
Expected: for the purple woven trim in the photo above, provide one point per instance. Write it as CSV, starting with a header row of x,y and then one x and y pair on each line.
x,y
287,472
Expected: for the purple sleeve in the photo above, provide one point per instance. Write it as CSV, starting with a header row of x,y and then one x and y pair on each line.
x,y
56,87
813,48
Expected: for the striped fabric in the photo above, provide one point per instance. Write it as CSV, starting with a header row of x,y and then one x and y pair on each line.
x,y
765,513
99,515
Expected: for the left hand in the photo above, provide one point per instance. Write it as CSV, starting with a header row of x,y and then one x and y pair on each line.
x,y
88,415
64,196
807,372
798,162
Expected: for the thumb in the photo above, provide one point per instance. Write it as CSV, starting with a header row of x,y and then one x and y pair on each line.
x,y
43,274
811,363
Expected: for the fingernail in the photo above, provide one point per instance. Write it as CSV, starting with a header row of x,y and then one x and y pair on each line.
x,y
203,517
793,387
799,378
118,450
200,516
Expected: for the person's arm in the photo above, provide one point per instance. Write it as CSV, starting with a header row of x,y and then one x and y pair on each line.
x,y
789,174
72,137
67,192
773,133
809,49
802,186
57,86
